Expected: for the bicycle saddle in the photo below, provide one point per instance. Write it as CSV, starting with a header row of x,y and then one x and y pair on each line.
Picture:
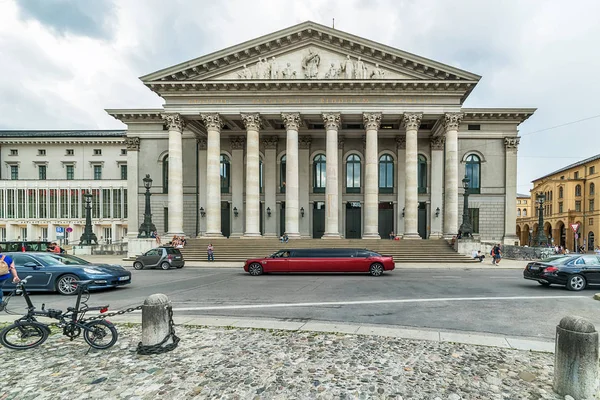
x,y
83,283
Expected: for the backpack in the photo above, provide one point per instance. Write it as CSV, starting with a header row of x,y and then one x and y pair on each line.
x,y
62,251
3,266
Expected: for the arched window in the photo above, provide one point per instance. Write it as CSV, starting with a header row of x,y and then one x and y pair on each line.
x,y
518,212
473,172
282,175
386,174
560,192
578,190
524,212
422,173
225,174
353,174
165,174
319,173
592,189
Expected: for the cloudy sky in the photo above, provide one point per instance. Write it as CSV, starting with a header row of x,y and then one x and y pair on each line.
x,y
63,61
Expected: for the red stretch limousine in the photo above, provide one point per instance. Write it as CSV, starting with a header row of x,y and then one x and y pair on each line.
x,y
321,260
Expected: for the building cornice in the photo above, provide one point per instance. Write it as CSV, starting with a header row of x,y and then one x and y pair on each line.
x,y
518,115
127,116
71,141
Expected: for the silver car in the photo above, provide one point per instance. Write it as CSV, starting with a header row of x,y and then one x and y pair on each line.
x,y
163,257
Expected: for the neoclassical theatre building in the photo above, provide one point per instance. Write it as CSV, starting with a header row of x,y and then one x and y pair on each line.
x,y
320,134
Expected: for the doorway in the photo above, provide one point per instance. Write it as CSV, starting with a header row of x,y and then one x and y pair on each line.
x,y
318,219
590,241
386,219
353,220
422,220
225,219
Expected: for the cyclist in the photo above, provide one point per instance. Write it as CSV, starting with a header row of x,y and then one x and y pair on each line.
x,y
12,271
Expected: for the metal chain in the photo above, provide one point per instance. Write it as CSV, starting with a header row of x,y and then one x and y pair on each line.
x,y
112,314
159,348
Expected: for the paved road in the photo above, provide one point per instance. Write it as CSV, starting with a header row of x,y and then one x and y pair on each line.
x,y
494,301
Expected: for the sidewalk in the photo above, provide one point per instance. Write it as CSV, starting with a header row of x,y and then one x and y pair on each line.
x,y
237,358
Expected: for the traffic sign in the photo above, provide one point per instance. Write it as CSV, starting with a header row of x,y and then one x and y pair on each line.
x,y
69,229
60,232
575,227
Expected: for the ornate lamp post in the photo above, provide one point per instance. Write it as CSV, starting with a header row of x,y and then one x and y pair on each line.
x,y
88,235
466,229
147,227
541,239
530,236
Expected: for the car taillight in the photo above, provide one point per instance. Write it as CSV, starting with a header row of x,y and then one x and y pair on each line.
x,y
550,269
103,310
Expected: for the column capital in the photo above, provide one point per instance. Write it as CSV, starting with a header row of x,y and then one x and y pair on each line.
x,y
270,142
332,121
437,142
511,143
252,121
132,143
201,143
291,121
304,142
174,122
412,121
372,121
237,142
212,121
401,142
452,121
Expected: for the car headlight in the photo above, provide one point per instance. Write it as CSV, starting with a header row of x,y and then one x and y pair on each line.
x,y
92,271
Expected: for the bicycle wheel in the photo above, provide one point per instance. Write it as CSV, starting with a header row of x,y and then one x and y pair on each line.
x,y
100,334
24,335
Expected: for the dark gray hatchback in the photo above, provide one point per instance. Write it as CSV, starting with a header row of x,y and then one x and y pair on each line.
x,y
163,257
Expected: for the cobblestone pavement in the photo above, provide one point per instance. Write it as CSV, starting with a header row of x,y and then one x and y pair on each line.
x,y
234,363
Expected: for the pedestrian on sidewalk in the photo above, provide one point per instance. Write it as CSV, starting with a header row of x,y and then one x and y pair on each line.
x,y
477,254
7,269
210,250
497,254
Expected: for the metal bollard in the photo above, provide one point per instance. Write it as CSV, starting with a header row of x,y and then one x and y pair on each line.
x,y
158,334
576,358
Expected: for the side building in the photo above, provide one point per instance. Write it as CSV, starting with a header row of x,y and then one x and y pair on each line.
x,y
569,203
44,175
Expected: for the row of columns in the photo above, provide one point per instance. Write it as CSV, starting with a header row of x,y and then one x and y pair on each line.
x,y
332,123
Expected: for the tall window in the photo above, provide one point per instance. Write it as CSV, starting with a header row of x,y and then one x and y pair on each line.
x,y
225,173
591,205
560,192
282,174
578,205
42,172
353,174
124,172
592,189
578,190
70,172
524,212
386,174
319,173
518,212
14,172
422,174
97,172
473,172
165,174
560,207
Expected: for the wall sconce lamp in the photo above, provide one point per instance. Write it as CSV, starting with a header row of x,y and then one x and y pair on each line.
x,y
202,212
302,212
403,211
437,212
235,212
269,212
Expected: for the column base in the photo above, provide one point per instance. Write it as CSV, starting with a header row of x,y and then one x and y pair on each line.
x,y
331,236
214,235
371,236
171,234
293,235
252,235
412,236
435,235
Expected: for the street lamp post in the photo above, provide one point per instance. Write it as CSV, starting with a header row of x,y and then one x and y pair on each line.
x,y
88,234
541,239
147,226
466,229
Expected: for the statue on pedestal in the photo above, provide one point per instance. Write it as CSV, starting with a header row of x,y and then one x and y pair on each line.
x,y
348,68
310,64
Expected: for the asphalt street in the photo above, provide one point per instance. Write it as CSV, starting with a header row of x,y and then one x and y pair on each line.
x,y
494,301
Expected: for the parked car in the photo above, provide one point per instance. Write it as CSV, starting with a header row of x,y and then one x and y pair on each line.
x,y
24,245
576,271
163,257
321,260
57,272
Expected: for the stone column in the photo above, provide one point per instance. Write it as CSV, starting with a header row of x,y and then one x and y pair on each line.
x,y
133,212
252,122
271,185
411,195
399,171
304,184
437,181
202,184
332,124
510,201
213,125
292,209
175,124
237,184
451,123
372,122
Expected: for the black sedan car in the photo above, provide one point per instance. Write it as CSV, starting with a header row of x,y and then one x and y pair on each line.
x,y
57,272
575,271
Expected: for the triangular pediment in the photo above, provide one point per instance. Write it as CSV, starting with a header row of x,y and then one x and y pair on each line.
x,y
309,51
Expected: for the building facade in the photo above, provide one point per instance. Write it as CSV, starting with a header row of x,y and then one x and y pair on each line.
x,y
570,198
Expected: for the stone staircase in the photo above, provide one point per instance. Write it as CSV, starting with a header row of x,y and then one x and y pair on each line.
x,y
404,251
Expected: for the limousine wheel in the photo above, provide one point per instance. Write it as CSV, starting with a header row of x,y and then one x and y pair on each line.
x,y
255,269
376,269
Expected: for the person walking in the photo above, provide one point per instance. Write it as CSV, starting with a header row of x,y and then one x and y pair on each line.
x,y
497,254
7,269
210,250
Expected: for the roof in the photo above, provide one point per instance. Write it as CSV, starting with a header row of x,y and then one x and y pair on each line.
x,y
68,133
568,167
523,195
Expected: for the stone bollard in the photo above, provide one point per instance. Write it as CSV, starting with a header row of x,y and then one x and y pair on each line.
x,y
155,319
576,358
